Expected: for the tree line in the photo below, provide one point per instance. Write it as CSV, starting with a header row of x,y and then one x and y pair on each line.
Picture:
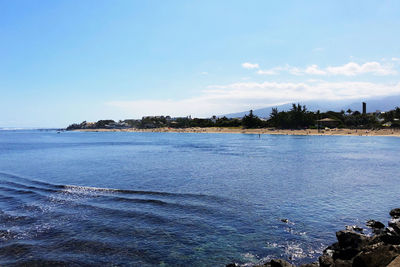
x,y
298,117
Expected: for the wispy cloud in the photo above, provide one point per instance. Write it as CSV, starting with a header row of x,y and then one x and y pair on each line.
x,y
306,90
274,71
314,70
248,65
349,69
227,98
352,69
279,69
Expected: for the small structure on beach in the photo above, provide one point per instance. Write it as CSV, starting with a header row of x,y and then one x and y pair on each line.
x,y
328,122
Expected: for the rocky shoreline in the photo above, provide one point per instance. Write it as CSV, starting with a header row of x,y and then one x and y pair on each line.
x,y
356,249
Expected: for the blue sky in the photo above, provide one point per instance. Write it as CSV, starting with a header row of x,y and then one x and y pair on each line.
x,y
68,61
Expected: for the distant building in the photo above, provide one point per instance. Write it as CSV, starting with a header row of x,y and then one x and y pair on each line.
x,y
364,108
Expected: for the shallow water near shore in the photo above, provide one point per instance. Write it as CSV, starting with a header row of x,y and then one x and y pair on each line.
x,y
180,199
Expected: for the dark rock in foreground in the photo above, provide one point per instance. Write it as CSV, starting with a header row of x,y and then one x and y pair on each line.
x,y
355,249
375,224
395,213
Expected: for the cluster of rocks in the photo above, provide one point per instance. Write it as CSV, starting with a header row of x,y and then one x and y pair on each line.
x,y
354,248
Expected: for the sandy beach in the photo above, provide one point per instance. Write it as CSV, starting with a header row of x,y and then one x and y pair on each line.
x,y
354,132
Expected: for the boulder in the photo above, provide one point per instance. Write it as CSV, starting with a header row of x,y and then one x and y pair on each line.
x,y
395,213
376,255
390,237
354,228
280,263
325,260
343,263
375,224
395,225
314,264
345,254
349,239
274,263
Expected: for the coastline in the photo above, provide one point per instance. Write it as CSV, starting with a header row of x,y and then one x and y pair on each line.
x,y
338,132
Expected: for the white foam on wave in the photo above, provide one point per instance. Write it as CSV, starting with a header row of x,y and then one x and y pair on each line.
x,y
294,251
252,260
86,189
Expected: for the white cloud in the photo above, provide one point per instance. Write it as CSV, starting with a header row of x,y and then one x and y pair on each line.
x,y
395,59
313,80
204,73
314,69
295,71
221,99
352,69
268,72
349,69
248,65
306,91
277,70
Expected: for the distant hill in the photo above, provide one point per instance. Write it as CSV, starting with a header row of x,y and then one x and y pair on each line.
x,y
382,104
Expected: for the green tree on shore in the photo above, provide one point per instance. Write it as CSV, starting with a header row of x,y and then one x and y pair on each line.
x,y
251,121
297,117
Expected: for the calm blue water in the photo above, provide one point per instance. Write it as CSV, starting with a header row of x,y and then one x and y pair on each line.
x,y
170,199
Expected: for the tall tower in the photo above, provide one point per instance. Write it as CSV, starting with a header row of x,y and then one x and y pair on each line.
x,y
364,108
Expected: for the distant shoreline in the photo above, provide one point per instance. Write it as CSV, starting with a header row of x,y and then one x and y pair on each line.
x,y
339,132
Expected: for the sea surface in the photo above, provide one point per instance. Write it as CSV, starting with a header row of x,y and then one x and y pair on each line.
x,y
186,199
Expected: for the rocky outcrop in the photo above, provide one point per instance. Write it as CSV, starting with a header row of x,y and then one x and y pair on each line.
x,y
375,224
395,213
359,250
355,249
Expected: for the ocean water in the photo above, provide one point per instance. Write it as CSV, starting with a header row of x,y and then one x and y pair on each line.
x,y
178,199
